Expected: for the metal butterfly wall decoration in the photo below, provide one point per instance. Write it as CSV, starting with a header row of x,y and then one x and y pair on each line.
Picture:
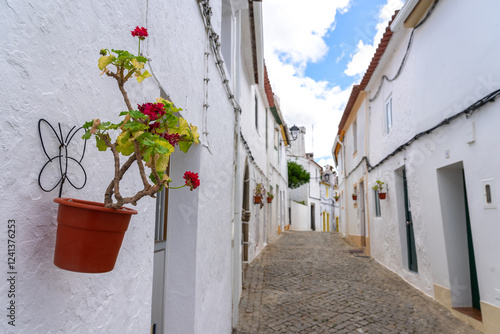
x,y
62,157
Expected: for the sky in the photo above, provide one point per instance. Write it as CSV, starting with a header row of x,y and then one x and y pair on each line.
x,y
315,51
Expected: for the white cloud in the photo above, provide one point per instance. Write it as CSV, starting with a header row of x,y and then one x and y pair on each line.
x,y
360,60
295,28
293,37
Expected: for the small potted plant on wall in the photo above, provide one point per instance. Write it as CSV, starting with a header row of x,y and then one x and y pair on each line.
x,y
336,197
269,197
379,187
354,197
89,234
258,193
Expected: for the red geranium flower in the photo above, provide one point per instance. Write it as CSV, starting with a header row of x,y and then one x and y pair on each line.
x,y
173,138
142,32
192,180
153,110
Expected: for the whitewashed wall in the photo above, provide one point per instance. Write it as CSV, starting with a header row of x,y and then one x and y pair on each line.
x,y
50,58
447,70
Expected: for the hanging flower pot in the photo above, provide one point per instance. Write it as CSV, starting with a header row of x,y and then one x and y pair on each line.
x,y
355,197
89,236
269,199
382,195
258,193
336,198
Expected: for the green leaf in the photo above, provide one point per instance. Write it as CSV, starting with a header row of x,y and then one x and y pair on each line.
x,y
297,175
162,162
184,146
88,124
101,144
141,59
143,76
135,126
123,137
148,142
152,178
126,149
103,126
123,113
87,135
115,126
104,61
137,114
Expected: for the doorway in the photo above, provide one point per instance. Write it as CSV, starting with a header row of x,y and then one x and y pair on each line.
x,y
245,215
410,234
464,286
159,260
361,212
313,216
158,297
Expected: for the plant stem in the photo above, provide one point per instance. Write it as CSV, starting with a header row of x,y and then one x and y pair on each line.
x,y
178,187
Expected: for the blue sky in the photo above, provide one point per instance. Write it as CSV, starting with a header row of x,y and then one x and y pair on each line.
x,y
350,27
315,51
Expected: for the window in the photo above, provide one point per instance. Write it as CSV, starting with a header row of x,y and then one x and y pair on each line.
x,y
388,115
162,213
227,34
355,136
378,213
276,138
256,114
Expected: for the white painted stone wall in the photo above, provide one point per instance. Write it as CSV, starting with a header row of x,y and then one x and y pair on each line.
x,y
278,178
450,66
50,60
300,217
50,54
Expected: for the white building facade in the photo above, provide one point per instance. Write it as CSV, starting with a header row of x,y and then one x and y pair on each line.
x,y
429,132
206,57
305,201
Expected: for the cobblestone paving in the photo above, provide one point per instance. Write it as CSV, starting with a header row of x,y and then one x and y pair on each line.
x,y
308,282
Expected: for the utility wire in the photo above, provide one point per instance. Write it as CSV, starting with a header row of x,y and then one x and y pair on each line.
x,y
403,61
467,112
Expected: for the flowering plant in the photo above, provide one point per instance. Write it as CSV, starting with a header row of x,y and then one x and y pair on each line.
x,y
259,190
147,135
270,195
379,186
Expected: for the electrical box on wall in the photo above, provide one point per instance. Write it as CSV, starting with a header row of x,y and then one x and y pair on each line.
x,y
489,193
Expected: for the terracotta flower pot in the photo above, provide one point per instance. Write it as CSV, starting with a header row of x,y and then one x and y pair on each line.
x,y
382,195
257,199
354,197
269,199
89,236
336,200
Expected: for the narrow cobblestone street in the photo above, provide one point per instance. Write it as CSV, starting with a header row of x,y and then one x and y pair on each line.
x,y
308,282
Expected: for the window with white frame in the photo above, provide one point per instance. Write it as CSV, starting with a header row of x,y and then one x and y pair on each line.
x,y
388,115
276,138
378,212
256,113
355,135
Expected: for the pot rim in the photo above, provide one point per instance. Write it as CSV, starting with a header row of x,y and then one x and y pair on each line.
x,y
89,205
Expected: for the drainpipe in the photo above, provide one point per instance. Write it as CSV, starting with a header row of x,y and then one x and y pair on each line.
x,y
237,185
337,140
367,186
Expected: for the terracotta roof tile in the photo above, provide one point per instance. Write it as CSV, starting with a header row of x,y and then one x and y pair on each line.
x,y
268,89
356,89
